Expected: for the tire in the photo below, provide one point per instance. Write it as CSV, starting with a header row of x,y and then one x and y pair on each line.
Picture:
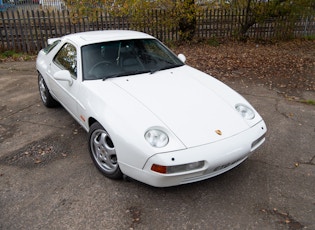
x,y
44,93
103,153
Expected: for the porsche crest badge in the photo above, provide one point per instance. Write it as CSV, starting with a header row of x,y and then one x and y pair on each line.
x,y
218,131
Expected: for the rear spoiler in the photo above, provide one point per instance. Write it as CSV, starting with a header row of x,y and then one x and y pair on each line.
x,y
52,40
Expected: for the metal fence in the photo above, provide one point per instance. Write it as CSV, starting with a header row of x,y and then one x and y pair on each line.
x,y
27,30
32,4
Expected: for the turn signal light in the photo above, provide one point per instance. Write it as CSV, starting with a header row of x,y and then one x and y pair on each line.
x,y
158,168
177,168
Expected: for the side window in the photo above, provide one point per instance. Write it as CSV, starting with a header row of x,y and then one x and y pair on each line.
x,y
51,46
66,58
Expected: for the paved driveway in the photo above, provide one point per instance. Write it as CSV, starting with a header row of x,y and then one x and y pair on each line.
x,y
48,181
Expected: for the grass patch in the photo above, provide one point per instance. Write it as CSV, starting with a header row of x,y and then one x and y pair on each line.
x,y
308,102
309,37
213,42
10,55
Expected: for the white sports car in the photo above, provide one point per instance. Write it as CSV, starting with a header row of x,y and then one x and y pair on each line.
x,y
148,115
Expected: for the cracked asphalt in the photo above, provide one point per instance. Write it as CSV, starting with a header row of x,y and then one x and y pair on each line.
x,y
48,181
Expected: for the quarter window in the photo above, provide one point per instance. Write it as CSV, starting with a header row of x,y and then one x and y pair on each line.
x,y
51,46
66,58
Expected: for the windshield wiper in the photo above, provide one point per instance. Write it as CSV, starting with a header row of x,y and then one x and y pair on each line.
x,y
111,76
164,68
152,71
124,74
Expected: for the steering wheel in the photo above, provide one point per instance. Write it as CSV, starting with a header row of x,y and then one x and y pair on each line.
x,y
99,68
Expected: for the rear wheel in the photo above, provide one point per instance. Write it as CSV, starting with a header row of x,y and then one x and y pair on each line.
x,y
44,93
103,153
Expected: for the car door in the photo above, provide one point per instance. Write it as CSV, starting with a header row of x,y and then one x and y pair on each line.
x,y
65,91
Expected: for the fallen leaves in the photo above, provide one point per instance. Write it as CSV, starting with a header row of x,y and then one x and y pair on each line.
x,y
37,154
288,67
135,214
283,218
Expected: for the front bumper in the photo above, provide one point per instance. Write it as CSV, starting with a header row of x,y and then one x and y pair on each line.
x,y
219,157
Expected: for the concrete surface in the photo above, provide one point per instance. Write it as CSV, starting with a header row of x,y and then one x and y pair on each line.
x,y
48,181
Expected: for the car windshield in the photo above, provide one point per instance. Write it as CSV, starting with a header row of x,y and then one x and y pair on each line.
x,y
126,57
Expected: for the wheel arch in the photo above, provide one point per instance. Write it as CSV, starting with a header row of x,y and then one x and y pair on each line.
x,y
91,121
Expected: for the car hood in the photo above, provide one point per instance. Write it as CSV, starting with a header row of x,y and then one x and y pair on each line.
x,y
193,111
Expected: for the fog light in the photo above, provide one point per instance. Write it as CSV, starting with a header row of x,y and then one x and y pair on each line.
x,y
177,168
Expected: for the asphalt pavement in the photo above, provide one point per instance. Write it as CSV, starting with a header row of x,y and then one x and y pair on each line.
x,y
48,181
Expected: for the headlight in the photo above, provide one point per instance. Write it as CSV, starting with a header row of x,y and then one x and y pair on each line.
x,y
156,138
246,112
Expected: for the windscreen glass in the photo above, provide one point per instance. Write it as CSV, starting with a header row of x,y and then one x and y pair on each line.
x,y
126,57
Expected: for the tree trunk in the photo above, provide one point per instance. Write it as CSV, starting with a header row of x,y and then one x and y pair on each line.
x,y
250,20
187,21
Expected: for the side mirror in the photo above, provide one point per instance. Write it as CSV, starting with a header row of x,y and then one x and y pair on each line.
x,y
64,75
182,57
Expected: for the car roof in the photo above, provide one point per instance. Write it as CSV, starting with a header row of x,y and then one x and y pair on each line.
x,y
90,37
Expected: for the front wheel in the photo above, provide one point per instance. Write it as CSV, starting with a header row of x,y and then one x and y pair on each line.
x,y
44,93
103,153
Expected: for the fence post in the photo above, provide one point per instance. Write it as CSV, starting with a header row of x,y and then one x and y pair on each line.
x,y
5,31
30,35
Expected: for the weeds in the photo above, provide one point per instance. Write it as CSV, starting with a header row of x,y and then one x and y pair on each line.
x,y
10,55
308,102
